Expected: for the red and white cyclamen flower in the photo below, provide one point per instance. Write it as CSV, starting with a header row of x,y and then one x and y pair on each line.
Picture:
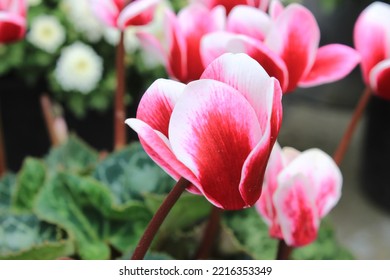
x,y
217,132
299,189
372,40
119,14
12,20
285,42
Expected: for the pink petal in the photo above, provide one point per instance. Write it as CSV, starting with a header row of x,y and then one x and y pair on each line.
x,y
289,154
322,174
372,36
296,210
177,47
217,43
249,21
12,28
295,37
213,130
136,13
227,4
380,79
249,78
275,9
265,204
195,21
158,148
150,44
106,10
333,62
157,103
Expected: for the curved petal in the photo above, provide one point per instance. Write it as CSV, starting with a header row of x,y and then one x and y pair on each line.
x,y
372,36
177,47
195,21
249,21
275,9
157,103
217,43
322,174
296,210
289,154
137,13
106,10
150,44
227,4
249,78
213,129
333,62
265,204
158,148
295,37
380,79
12,27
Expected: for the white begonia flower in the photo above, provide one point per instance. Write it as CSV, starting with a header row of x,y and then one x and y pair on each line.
x,y
83,19
79,68
46,33
34,2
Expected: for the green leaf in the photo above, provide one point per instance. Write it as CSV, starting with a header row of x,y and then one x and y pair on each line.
x,y
187,212
26,237
7,183
130,173
85,209
29,181
252,233
74,156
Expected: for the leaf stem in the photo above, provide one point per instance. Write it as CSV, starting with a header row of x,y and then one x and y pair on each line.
x,y
284,251
357,114
210,233
119,106
158,218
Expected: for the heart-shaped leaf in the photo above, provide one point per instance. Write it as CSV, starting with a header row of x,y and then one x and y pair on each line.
x,y
85,208
25,237
29,181
7,183
130,173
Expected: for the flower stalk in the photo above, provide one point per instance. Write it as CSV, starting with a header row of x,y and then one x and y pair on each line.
x,y
119,107
49,119
346,139
158,219
284,251
210,234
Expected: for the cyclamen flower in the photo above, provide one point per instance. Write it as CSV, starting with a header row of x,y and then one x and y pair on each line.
x,y
12,20
46,33
372,40
184,32
79,68
285,42
299,189
119,14
217,132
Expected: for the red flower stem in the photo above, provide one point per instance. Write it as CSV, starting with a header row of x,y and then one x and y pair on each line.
x,y
284,251
357,114
158,218
210,234
119,106
3,162
49,119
